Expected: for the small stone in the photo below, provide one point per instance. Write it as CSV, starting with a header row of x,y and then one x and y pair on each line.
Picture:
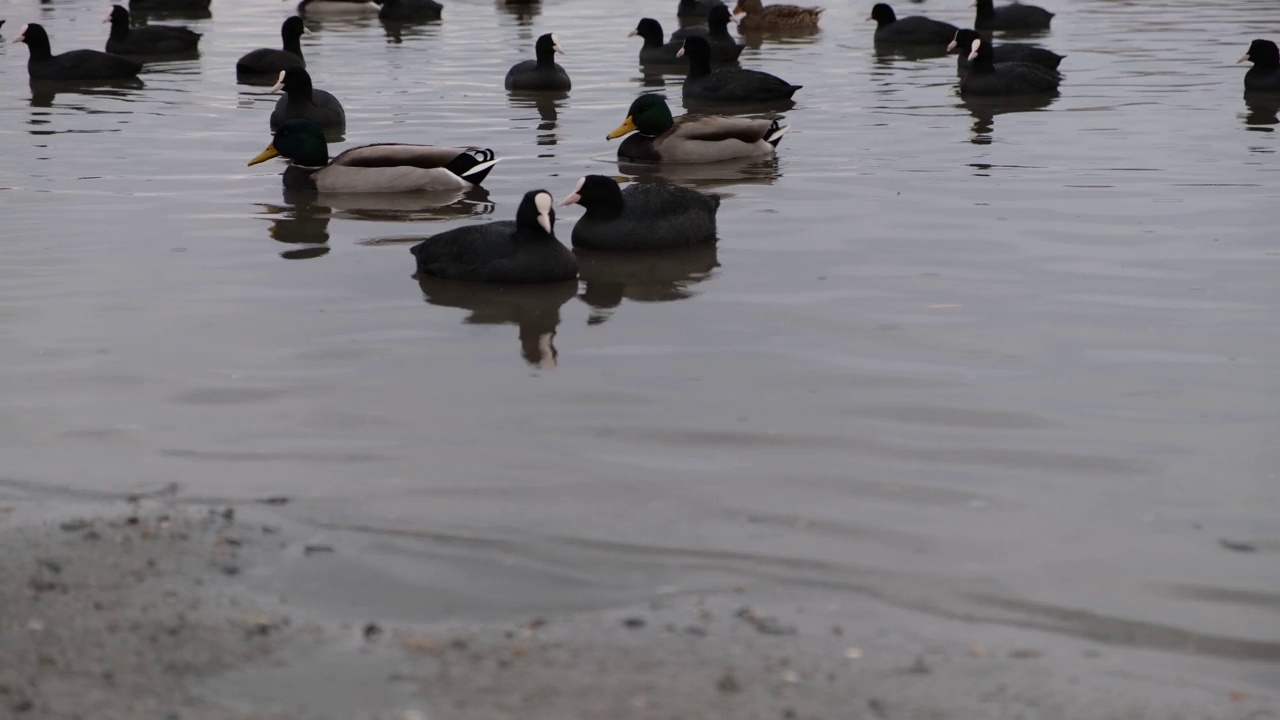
x,y
275,500
773,626
1237,546
853,653
695,630
35,625
74,525
372,631
23,706
791,676
1025,653
634,623
314,549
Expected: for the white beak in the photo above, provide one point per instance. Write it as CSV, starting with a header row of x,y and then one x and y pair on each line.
x,y
680,52
106,19
952,46
633,33
973,3
305,31
570,199
561,50
973,56
1243,58
545,221
18,39
870,19
279,86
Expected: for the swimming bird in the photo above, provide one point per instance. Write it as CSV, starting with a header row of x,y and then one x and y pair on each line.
x,y
410,11
986,77
1264,76
644,216
695,9
301,101
381,168
758,16
655,51
519,252
1010,17
724,47
543,73
190,8
147,40
1004,52
271,62
73,64
730,86
655,136
914,30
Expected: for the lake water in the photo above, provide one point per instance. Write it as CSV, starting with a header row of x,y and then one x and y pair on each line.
x,y
1017,367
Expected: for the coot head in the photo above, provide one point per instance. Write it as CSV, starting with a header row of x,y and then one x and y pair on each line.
x,y
1262,53
650,30
882,14
546,48
963,41
596,191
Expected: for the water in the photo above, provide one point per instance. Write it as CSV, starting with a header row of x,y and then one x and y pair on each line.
x,y
1008,366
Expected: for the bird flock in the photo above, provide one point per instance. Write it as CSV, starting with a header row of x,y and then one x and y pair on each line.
x,y
721,95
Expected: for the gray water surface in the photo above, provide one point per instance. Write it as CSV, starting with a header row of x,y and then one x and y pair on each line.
x,y
1017,367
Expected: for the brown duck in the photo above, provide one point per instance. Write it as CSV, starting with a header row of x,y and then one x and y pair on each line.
x,y
758,16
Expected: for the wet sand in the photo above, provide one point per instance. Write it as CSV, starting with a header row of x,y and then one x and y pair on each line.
x,y
140,610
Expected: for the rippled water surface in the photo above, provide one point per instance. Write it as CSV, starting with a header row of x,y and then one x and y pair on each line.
x,y
1009,366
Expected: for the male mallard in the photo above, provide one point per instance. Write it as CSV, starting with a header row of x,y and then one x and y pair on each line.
x,y
691,138
758,16
384,167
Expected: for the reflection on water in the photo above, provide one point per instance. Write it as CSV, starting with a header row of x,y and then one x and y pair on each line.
x,y
303,224
741,171
535,309
398,207
1262,109
524,11
548,106
985,109
611,277
45,92
756,39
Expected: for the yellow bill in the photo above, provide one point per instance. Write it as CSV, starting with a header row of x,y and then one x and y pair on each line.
x,y
265,155
627,126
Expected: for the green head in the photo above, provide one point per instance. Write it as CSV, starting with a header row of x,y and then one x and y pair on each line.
x,y
302,141
649,114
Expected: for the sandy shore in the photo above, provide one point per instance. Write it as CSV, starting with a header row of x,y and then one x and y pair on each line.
x,y
140,611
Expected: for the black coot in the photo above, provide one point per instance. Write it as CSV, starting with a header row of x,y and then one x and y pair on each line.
x,y
302,101
730,86
1264,76
543,73
914,30
724,47
410,10
147,40
1004,52
1010,17
989,78
72,65
270,61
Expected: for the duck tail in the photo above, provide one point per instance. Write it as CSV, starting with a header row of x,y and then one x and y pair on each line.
x,y
473,165
715,201
794,88
776,131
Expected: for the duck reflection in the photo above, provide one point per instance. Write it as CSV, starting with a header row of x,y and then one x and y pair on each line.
x,y
397,31
44,92
761,170
1262,110
659,276
524,11
305,226
755,39
985,110
397,207
888,55
548,106
534,309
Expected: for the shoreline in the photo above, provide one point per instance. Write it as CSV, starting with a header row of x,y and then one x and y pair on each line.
x,y
130,610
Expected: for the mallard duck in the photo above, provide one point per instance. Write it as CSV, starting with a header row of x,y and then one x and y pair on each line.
x,y
986,77
1264,76
543,73
73,64
914,30
524,251
384,167
644,216
691,138
301,101
730,86
758,16
1004,52
270,61
1010,17
410,11
147,40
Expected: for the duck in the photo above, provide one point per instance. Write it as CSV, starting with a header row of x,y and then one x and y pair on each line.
x,y
1264,76
73,64
410,11
914,30
655,51
1016,16
302,101
190,8
379,168
655,136
729,86
337,7
1004,52
520,252
986,77
757,16
696,9
147,40
271,62
543,73
644,216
